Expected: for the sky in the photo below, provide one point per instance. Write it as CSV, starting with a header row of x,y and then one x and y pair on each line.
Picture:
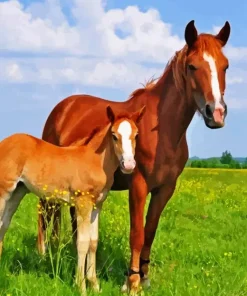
x,y
52,49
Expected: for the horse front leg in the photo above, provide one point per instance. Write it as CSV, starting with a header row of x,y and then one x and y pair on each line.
x,y
157,204
137,198
45,213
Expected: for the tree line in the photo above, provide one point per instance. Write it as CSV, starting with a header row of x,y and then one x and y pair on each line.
x,y
225,161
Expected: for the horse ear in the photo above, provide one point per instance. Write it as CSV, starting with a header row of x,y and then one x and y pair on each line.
x,y
97,138
224,34
137,116
190,33
110,114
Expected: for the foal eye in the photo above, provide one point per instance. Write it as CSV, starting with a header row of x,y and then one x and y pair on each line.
x,y
192,67
114,137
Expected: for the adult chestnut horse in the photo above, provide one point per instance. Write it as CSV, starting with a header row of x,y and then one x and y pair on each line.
x,y
194,80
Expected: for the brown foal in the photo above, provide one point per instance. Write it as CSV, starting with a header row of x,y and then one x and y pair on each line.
x,y
80,175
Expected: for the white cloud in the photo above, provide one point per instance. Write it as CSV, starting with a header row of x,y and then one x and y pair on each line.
x,y
102,47
13,72
94,72
43,27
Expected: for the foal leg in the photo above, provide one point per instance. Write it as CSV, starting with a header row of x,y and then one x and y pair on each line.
x,y
84,207
9,203
44,219
157,204
91,256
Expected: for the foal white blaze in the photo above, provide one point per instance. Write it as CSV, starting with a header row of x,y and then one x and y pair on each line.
x,y
125,131
218,109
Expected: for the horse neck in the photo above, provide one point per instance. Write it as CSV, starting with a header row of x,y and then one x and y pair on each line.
x,y
176,107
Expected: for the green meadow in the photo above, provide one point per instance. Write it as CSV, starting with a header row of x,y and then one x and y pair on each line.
x,y
200,246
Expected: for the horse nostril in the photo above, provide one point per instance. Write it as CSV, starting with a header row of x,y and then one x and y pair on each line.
x,y
208,111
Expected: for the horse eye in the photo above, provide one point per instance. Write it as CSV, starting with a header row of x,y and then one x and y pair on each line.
x,y
136,137
192,67
226,68
114,137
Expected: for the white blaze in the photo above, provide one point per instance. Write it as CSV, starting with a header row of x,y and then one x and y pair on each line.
x,y
214,79
125,131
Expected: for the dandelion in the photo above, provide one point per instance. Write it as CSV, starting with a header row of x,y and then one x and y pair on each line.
x,y
76,193
38,206
78,190
47,198
55,190
65,192
72,197
53,207
83,193
39,212
72,204
65,204
49,207
87,192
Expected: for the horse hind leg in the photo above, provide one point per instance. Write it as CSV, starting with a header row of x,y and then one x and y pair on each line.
x,y
9,202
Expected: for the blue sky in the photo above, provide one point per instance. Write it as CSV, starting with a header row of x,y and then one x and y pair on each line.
x,y
54,48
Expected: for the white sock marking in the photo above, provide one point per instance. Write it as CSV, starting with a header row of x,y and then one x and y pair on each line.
x,y
125,131
214,79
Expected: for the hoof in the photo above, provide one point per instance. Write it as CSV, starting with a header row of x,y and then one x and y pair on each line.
x,y
125,287
96,288
134,291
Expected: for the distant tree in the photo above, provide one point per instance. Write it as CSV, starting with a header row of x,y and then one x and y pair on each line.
x,y
235,164
226,158
196,164
244,165
204,164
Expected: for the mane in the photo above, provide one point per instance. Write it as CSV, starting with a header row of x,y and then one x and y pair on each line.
x,y
176,64
86,141
92,135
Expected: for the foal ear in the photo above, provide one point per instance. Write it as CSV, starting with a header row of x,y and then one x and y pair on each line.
x,y
190,33
224,34
110,114
137,116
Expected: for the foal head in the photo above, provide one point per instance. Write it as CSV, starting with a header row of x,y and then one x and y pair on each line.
x,y
206,67
124,133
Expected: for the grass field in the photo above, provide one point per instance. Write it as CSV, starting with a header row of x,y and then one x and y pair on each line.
x,y
200,246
